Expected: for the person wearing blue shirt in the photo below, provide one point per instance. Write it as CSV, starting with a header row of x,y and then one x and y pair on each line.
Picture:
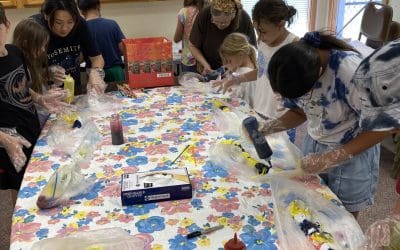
x,y
315,78
108,36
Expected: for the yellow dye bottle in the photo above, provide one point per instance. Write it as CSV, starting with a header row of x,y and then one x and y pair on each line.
x,y
69,83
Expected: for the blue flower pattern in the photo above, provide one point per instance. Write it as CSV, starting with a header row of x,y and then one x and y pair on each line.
x,y
261,240
149,225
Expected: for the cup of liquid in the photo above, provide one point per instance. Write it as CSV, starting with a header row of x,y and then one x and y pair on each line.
x,y
117,136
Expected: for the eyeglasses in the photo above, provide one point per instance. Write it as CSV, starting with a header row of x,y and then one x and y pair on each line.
x,y
223,23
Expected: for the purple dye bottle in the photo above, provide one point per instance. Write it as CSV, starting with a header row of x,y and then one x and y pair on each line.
x,y
117,135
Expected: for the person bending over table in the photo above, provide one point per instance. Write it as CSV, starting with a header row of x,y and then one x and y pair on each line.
x,y
69,40
211,27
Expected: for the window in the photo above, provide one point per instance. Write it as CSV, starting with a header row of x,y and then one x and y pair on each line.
x,y
348,9
300,21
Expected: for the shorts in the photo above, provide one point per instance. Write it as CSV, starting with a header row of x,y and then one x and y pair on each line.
x,y
354,181
114,74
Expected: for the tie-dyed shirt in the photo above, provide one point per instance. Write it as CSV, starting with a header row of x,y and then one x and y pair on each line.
x,y
378,82
332,106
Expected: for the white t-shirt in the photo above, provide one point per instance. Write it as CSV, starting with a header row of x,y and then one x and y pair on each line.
x,y
264,100
245,90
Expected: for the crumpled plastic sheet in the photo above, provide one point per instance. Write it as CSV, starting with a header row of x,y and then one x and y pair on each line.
x,y
105,239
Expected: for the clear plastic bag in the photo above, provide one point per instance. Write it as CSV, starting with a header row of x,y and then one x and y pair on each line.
x,y
300,210
76,142
94,104
196,83
66,182
240,160
384,234
229,119
104,239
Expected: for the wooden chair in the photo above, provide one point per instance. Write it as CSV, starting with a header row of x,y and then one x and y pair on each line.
x,y
375,24
394,31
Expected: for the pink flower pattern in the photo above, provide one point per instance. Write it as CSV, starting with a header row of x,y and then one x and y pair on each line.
x,y
154,128
173,207
225,205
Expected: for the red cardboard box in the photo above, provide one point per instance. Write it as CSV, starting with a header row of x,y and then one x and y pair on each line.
x,y
148,62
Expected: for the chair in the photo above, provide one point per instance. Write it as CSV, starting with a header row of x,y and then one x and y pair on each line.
x,y
394,32
375,24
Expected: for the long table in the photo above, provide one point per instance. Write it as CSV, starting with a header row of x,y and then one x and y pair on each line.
x,y
157,127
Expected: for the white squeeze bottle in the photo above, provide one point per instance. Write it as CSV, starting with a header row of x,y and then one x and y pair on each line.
x,y
69,83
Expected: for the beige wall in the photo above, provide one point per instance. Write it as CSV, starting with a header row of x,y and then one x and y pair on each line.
x,y
396,9
137,19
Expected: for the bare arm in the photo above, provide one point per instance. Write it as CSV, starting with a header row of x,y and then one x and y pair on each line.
x,y
97,61
199,57
178,32
121,48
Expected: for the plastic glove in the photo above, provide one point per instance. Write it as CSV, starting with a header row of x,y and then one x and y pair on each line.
x,y
13,143
57,75
316,163
385,232
227,83
53,100
96,80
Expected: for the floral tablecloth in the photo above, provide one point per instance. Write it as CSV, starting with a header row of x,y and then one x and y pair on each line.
x,y
157,127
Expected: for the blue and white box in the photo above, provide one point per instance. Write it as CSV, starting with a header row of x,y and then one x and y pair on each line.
x,y
155,186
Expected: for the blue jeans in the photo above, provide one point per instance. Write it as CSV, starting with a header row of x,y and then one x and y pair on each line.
x,y
353,181
192,68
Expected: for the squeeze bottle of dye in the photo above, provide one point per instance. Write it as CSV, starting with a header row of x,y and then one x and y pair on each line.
x,y
234,244
69,83
117,136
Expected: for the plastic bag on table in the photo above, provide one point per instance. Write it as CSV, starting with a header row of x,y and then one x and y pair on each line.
x,y
66,182
104,239
77,142
384,234
229,119
304,219
94,104
240,158
196,83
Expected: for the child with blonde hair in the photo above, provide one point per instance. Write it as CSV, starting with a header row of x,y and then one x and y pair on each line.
x,y
270,18
239,57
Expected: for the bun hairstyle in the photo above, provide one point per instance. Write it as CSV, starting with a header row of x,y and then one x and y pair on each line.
x,y
273,11
295,68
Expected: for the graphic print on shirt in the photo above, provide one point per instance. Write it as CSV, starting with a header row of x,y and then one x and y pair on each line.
x,y
262,64
14,90
68,58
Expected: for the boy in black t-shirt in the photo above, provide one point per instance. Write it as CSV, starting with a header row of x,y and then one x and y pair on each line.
x,y
19,124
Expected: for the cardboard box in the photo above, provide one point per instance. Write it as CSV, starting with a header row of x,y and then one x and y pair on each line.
x,y
154,186
148,62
